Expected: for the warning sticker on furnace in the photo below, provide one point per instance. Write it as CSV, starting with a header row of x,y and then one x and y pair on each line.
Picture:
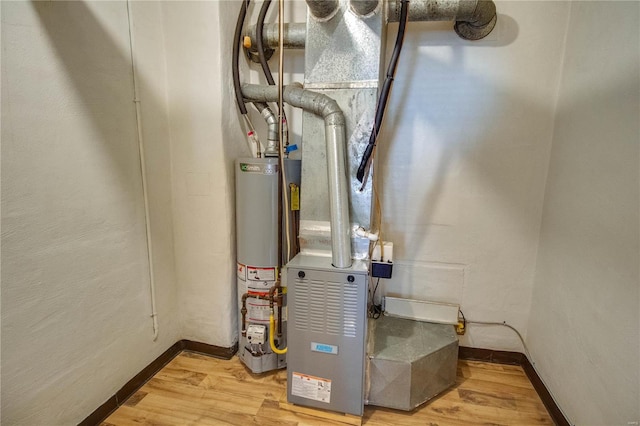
x,y
310,387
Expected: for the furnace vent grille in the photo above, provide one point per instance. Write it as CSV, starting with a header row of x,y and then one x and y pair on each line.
x,y
326,307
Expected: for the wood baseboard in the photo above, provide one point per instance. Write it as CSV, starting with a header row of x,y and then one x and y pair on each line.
x,y
517,358
149,371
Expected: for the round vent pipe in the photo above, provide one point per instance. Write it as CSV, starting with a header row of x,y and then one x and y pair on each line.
x,y
334,127
474,18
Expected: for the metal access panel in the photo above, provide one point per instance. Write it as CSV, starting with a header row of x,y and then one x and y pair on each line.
x,y
326,334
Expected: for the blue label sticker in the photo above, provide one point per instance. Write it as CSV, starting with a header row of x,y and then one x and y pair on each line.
x,y
324,348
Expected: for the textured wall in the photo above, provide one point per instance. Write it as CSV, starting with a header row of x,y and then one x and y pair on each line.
x,y
75,284
202,174
463,160
584,329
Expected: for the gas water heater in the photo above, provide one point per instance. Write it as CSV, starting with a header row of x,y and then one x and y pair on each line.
x,y
257,259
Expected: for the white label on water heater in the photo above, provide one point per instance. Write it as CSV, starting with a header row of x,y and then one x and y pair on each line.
x,y
311,387
261,274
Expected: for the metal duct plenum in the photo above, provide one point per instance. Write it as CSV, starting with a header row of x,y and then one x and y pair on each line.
x,y
334,124
474,18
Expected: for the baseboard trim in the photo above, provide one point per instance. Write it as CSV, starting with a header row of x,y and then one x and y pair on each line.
x,y
517,358
476,354
211,350
149,371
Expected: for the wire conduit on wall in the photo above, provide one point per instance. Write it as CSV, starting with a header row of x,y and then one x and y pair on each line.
x,y
143,173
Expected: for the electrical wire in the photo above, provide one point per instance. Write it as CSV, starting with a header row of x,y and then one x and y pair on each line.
x,y
375,310
503,324
384,94
524,345
259,42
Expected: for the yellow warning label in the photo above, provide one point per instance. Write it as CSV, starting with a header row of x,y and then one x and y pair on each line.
x,y
295,197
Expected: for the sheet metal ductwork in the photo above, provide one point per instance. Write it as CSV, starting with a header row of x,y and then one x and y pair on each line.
x,y
475,19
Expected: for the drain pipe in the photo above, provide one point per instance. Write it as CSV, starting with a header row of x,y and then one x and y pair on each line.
x,y
334,124
474,18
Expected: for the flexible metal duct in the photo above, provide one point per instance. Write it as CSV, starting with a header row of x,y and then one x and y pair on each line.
x,y
334,123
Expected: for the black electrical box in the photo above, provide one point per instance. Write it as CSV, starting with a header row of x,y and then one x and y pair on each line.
x,y
381,269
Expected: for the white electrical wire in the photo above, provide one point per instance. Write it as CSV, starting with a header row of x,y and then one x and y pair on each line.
x,y
504,324
143,172
526,351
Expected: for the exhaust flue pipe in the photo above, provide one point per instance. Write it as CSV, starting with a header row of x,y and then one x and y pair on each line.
x,y
334,127
272,126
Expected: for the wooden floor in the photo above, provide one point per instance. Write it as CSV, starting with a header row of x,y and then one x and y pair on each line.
x,y
198,390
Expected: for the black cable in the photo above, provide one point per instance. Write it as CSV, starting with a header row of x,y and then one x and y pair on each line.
x,y
236,57
464,320
375,310
384,94
260,44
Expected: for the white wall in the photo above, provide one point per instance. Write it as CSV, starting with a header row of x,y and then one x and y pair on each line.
x,y
202,159
76,311
463,161
584,330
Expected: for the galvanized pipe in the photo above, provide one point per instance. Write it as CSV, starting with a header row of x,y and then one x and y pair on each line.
x,y
323,9
293,38
474,18
334,124
272,125
364,7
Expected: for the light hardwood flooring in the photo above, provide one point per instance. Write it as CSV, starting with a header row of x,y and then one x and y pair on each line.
x,y
194,389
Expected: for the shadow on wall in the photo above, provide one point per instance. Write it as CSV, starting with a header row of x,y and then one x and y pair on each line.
x,y
442,109
89,63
